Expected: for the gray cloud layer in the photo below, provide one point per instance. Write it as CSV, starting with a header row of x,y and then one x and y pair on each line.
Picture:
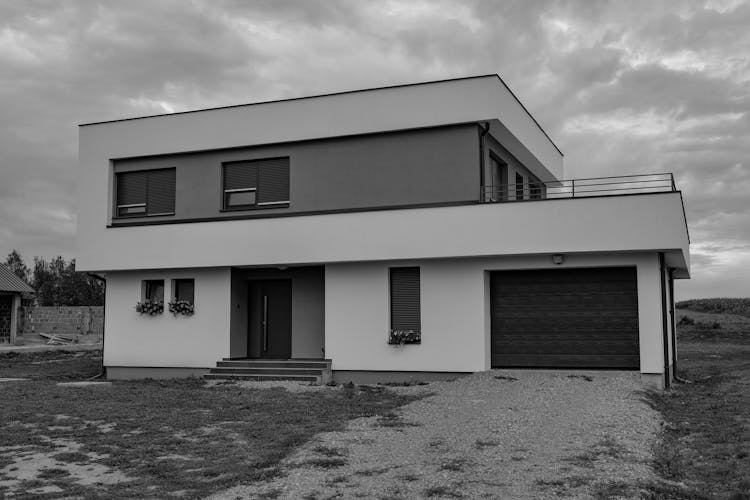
x,y
622,87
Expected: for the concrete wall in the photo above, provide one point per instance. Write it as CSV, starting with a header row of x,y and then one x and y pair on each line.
x,y
406,168
307,309
455,312
65,320
197,341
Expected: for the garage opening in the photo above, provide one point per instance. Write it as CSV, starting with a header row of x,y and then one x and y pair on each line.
x,y
565,318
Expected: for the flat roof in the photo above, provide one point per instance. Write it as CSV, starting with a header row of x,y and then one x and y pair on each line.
x,y
336,94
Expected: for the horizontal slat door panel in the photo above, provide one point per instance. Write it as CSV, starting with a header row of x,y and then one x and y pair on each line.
x,y
565,318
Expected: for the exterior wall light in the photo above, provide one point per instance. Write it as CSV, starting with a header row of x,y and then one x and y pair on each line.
x,y
557,259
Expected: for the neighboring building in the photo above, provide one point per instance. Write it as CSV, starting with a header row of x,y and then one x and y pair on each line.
x,y
433,214
12,290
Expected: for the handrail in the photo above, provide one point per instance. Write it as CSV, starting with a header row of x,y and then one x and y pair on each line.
x,y
580,188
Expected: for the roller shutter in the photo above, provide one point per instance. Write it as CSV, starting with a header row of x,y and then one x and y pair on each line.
x,y
405,299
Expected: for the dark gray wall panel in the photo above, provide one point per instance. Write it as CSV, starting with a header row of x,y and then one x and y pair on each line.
x,y
400,168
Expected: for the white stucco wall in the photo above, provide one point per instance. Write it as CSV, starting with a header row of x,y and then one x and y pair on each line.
x,y
198,341
455,311
649,222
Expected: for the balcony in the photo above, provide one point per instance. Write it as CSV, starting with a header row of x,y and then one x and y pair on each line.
x,y
579,188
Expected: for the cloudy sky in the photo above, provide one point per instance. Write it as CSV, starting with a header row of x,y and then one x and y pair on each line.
x,y
622,87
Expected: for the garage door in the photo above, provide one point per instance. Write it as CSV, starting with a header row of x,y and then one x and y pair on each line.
x,y
582,318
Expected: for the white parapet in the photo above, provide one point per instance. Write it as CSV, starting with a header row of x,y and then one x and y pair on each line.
x,y
651,222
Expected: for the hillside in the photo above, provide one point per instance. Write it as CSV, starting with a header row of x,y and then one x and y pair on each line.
x,y
737,306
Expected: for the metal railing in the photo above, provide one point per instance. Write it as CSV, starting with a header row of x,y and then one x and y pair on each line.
x,y
579,188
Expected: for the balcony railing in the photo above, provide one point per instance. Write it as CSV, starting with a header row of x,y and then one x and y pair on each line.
x,y
579,188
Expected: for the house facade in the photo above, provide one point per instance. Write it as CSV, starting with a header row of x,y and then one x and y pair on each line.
x,y
417,231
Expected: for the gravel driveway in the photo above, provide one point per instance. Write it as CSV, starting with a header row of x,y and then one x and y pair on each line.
x,y
500,434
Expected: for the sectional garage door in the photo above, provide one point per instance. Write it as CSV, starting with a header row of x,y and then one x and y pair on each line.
x,y
582,318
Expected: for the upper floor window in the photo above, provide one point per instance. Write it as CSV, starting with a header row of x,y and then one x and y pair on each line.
x,y
145,192
256,183
519,186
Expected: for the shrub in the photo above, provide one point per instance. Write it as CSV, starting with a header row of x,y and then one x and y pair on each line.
x,y
684,320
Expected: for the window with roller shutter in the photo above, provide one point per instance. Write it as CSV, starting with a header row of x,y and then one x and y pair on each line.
x,y
405,299
256,184
145,193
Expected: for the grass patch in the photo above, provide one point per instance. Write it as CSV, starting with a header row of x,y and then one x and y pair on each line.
x,y
329,452
394,420
613,489
336,480
53,473
72,457
51,365
408,478
564,483
694,326
454,465
442,491
325,463
706,439
587,378
408,383
506,378
481,444
226,435
372,472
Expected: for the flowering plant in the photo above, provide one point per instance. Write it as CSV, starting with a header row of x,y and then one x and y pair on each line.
x,y
150,307
181,307
401,337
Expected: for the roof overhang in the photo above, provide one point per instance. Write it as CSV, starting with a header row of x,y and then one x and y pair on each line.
x,y
465,100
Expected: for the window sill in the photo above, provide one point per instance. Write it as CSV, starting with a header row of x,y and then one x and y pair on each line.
x,y
254,207
141,216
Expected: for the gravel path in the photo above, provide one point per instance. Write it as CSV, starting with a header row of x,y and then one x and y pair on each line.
x,y
500,434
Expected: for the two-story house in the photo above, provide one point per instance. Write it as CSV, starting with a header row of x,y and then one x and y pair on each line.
x,y
417,231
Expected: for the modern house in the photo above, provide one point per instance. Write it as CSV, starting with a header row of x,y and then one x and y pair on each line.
x,y
417,231
12,290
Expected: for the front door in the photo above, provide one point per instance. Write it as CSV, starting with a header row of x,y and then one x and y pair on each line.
x,y
270,322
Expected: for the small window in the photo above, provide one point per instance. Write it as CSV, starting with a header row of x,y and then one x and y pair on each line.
x,y
153,290
519,186
145,193
256,184
406,323
184,289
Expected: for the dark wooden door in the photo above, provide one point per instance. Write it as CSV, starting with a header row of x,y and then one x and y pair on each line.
x,y
577,318
271,319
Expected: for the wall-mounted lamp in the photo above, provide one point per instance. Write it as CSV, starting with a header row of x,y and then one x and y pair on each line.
x,y
282,268
557,259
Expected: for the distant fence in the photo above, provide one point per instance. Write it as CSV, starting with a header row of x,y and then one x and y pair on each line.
x,y
61,320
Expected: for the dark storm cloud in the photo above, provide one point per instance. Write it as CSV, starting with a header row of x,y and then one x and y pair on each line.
x,y
622,87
